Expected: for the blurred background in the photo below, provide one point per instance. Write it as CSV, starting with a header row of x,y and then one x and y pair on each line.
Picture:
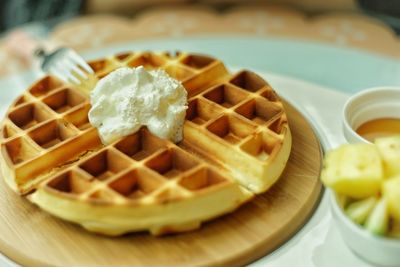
x,y
343,44
50,12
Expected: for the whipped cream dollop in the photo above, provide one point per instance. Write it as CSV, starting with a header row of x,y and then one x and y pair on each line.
x,y
129,98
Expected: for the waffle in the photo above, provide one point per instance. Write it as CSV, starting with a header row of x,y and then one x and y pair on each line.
x,y
236,144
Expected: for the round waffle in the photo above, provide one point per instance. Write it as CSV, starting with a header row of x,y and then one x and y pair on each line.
x,y
236,144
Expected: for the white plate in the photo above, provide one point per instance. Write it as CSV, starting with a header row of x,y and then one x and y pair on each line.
x,y
318,243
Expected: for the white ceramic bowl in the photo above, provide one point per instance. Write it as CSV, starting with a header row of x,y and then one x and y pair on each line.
x,y
382,251
369,104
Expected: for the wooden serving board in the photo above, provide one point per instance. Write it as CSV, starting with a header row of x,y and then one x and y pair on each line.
x,y
32,237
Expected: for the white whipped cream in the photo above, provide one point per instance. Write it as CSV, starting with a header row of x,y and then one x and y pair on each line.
x,y
129,98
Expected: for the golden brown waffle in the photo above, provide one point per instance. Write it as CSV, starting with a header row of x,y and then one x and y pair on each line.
x,y
236,144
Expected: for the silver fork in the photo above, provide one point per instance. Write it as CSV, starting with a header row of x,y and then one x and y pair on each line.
x,y
64,63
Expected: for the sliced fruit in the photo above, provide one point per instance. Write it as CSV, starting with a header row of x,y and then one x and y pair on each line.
x,y
378,221
391,191
389,148
353,170
359,211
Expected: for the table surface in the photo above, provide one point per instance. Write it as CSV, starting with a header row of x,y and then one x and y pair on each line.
x,y
329,56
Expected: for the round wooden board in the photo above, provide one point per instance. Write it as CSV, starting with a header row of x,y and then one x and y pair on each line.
x,y
32,237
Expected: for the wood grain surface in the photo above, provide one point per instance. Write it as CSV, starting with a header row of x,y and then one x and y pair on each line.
x,y
32,237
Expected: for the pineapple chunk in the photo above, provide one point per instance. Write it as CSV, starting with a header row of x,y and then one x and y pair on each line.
x,y
391,191
358,211
353,170
378,221
389,148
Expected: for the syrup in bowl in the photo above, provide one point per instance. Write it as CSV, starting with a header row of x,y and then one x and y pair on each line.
x,y
376,128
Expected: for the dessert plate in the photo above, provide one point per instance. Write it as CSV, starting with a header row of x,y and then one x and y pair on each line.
x,y
318,242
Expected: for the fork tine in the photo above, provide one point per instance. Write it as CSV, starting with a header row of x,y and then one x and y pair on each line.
x,y
64,73
73,79
67,71
75,70
79,61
